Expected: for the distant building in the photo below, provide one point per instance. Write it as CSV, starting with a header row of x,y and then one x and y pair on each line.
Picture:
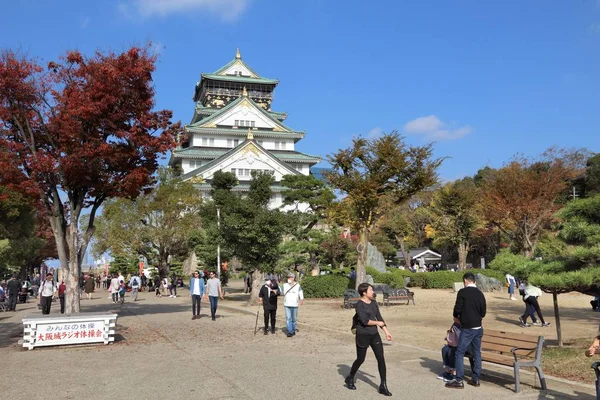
x,y
233,129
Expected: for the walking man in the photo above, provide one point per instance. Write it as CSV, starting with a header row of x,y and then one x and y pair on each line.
x,y
215,291
469,311
47,292
268,298
197,290
135,283
13,286
292,298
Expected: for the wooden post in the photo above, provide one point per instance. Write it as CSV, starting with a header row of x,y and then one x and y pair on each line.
x,y
557,319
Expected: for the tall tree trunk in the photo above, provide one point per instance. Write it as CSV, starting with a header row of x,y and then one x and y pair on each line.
x,y
463,251
256,283
404,250
313,262
72,295
363,235
557,319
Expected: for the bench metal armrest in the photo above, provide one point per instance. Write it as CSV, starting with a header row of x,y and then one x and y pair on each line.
x,y
514,349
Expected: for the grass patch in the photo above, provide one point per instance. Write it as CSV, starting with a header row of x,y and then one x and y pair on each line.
x,y
570,362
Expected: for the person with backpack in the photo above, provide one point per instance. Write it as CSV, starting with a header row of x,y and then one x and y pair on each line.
x,y
135,284
530,295
366,321
47,292
268,298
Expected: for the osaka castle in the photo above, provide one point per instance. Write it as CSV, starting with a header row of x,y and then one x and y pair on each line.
x,y
234,129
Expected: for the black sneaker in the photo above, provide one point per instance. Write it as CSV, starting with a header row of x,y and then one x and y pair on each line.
x,y
266,331
350,382
474,383
455,384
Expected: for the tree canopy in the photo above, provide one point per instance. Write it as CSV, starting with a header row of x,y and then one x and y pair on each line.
x,y
377,172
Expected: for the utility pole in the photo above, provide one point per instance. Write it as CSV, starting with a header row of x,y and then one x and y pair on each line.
x,y
574,195
219,244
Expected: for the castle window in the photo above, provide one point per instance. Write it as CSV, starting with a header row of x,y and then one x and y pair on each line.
x,y
282,145
212,142
236,142
233,171
204,141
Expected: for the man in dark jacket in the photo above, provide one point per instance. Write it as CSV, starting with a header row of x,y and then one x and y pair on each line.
x,y
13,286
268,298
469,310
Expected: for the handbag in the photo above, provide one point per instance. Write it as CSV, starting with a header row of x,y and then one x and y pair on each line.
x,y
354,323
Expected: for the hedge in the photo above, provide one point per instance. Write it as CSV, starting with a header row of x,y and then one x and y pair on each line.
x,y
427,280
326,285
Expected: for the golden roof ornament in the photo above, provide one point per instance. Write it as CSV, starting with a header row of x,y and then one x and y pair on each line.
x,y
238,56
244,92
250,134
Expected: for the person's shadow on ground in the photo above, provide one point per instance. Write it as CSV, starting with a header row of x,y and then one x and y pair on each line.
x,y
344,371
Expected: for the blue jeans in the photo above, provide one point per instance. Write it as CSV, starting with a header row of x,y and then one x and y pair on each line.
x,y
214,301
469,339
291,316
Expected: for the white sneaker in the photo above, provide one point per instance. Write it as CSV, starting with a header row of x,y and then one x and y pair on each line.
x,y
171,296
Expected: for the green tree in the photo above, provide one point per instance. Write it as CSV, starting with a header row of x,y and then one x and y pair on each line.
x,y
124,265
373,172
592,176
252,230
310,200
157,225
456,215
575,270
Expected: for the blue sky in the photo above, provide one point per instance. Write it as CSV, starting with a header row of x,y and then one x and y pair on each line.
x,y
483,79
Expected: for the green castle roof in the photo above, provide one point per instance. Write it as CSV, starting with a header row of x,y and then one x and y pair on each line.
x,y
241,79
209,153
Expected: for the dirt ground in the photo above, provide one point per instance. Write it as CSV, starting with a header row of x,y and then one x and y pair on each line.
x,y
168,355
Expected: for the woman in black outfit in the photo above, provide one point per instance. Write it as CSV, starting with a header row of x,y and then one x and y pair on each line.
x,y
368,318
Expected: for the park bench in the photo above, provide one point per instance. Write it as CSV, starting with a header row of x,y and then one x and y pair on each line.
x,y
351,297
57,330
514,350
395,295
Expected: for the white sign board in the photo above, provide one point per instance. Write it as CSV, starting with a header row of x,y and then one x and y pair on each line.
x,y
53,334
50,330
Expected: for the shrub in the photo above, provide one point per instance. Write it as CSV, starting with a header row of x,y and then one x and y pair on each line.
x,y
326,285
441,279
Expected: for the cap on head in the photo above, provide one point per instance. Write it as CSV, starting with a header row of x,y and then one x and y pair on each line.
x,y
291,275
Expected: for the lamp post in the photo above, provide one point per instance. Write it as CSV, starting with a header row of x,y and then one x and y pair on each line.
x,y
219,243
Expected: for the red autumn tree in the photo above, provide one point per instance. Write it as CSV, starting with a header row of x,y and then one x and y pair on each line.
x,y
77,133
520,198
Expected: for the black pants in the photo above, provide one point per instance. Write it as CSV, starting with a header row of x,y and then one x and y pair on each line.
x,y
173,290
532,301
62,304
374,341
46,302
115,297
196,298
270,314
12,302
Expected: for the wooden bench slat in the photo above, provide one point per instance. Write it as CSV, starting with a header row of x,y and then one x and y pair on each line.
x,y
507,342
511,335
506,350
497,358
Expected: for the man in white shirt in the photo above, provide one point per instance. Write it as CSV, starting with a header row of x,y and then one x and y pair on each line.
x,y
292,297
47,292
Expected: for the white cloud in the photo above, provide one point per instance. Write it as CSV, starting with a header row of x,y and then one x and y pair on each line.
x,y
594,28
374,133
226,9
432,128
